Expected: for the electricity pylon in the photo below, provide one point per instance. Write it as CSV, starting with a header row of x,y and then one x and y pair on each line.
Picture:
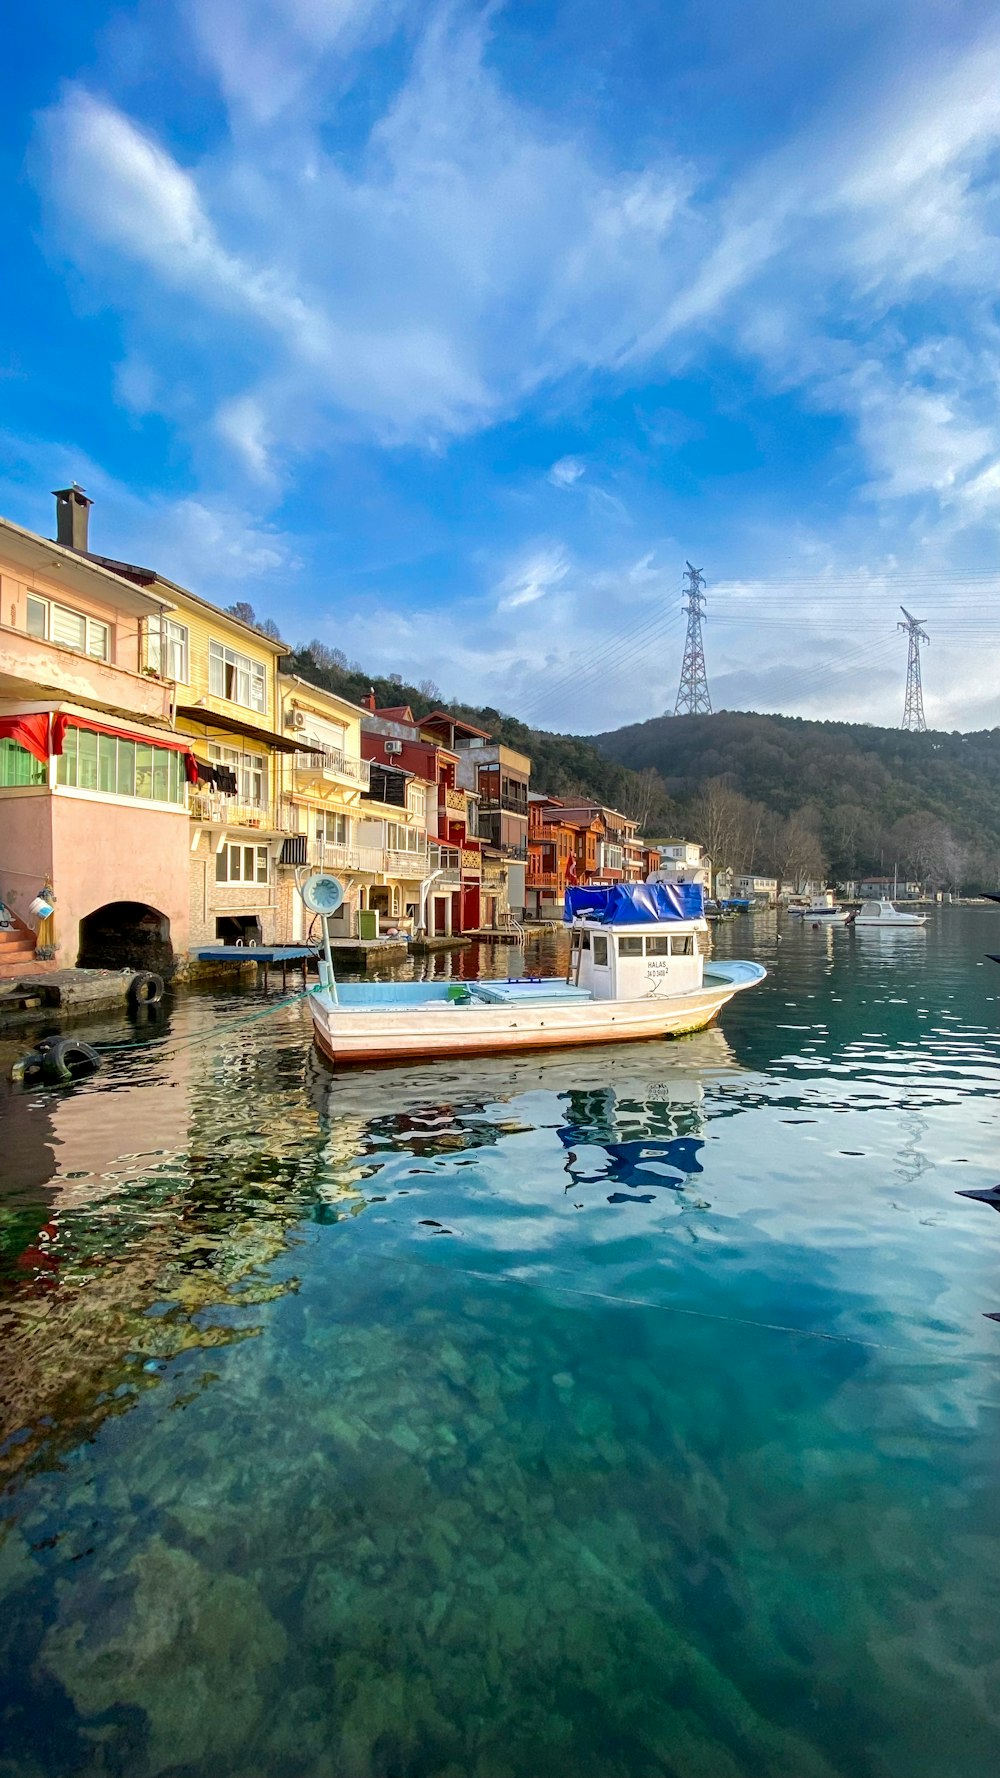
x,y
692,693
913,710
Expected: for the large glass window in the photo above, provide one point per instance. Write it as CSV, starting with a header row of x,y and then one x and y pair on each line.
x,y
117,767
236,677
19,767
241,864
167,648
70,629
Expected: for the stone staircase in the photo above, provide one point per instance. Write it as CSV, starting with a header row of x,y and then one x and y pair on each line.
x,y
17,953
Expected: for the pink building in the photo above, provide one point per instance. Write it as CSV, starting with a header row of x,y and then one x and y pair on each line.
x,y
93,778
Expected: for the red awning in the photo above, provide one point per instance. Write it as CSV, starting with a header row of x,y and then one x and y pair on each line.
x,y
30,732
175,743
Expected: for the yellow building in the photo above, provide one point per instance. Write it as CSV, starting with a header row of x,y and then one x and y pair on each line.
x,y
364,823
224,675
228,701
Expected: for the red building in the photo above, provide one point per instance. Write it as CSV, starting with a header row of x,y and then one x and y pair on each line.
x,y
427,748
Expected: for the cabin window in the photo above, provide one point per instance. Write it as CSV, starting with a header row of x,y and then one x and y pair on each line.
x,y
585,941
630,947
600,952
658,946
682,945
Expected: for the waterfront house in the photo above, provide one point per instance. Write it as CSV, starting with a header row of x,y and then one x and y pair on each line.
x,y
763,890
93,779
427,748
363,819
684,861
501,777
891,889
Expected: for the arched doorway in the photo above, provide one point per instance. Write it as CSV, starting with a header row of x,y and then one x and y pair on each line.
x,y
126,935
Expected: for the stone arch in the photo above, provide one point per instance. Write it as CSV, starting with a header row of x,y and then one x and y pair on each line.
x,y
126,935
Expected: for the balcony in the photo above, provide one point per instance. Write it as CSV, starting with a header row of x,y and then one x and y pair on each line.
x,y
373,861
511,804
33,668
452,800
229,811
330,766
543,879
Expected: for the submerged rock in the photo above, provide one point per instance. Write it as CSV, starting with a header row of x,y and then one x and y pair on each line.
x,y
194,1650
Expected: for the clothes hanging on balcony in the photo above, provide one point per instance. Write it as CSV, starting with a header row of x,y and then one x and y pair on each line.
x,y
221,778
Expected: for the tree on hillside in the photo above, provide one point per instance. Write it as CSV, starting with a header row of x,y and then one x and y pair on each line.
x,y
927,848
727,824
794,850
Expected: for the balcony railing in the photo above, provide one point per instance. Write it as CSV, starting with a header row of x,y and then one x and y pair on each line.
x,y
334,764
511,803
229,811
374,861
542,879
453,800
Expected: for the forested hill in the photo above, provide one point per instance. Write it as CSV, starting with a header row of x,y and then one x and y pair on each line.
x,y
849,778
562,765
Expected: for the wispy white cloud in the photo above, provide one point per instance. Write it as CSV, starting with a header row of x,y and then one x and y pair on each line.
x,y
532,578
566,472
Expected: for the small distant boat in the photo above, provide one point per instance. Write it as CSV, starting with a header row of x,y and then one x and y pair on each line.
x,y
885,916
636,970
822,913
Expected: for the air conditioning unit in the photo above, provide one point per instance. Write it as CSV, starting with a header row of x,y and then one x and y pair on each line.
x,y
394,746
298,719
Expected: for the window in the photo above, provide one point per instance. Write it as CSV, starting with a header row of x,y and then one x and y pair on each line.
x,y
600,952
69,629
242,864
236,677
19,767
167,648
250,769
658,947
113,766
332,830
417,798
682,945
630,947
402,839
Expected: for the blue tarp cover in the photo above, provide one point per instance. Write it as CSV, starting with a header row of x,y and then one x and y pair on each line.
x,y
636,904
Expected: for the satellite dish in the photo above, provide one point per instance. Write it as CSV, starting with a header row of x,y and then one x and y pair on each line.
x,y
322,894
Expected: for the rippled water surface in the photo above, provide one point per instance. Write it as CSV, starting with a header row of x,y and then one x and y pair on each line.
x,y
627,1416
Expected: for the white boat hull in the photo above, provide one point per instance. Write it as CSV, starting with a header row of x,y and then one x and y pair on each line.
x,y
348,1035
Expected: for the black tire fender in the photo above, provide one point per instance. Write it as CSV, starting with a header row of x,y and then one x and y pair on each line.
x,y
67,1058
145,989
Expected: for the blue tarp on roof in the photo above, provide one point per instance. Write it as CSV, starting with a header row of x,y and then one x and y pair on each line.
x,y
636,904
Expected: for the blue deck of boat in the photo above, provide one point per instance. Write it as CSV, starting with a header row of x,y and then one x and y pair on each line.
x,y
255,953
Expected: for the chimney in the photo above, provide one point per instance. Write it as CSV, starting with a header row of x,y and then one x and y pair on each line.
x,y
72,518
370,703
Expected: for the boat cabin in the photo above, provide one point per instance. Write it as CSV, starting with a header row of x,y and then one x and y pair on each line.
x,y
636,941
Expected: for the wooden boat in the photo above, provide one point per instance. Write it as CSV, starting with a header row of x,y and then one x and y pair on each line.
x,y
636,971
885,916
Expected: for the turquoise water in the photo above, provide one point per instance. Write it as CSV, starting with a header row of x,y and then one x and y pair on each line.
x,y
632,1416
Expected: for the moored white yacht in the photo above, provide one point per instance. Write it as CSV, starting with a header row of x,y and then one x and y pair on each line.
x,y
885,916
635,971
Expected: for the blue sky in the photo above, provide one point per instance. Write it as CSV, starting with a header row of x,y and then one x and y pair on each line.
x,y
448,332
